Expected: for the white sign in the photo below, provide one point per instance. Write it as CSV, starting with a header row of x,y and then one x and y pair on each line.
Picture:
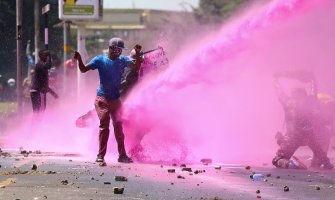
x,y
154,61
80,9
46,9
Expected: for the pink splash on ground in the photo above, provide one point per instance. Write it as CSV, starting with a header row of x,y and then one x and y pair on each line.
x,y
216,99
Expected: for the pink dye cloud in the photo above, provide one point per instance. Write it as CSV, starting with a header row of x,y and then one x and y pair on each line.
x,y
216,99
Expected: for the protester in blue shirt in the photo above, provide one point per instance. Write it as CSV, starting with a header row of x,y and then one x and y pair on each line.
x,y
107,102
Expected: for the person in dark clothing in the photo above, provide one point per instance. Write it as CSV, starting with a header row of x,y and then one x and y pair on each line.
x,y
107,102
303,121
40,81
131,76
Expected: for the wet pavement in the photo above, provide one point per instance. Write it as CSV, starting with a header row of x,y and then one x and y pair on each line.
x,y
41,175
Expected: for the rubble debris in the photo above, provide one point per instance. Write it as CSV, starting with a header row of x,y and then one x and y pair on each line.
x,y
217,167
247,167
37,152
277,177
23,152
5,154
258,191
286,188
183,165
103,164
180,177
206,161
70,160
102,174
26,172
171,170
174,164
65,182
188,169
258,196
268,175
118,190
317,187
120,178
34,167
45,197
2,186
107,183
199,171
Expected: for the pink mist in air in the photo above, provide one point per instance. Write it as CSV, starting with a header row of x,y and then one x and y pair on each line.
x,y
216,99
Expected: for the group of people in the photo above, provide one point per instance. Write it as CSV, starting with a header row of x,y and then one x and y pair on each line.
x,y
309,121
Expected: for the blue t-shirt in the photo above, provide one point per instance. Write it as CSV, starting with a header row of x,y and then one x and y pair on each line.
x,y
110,72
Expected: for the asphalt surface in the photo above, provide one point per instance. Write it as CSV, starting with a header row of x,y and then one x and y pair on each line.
x,y
60,176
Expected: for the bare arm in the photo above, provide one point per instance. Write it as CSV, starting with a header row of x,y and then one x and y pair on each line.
x,y
82,67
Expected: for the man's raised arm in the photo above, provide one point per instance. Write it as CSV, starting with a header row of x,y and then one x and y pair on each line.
x,y
82,67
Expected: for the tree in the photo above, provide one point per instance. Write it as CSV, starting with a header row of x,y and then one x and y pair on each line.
x,y
215,11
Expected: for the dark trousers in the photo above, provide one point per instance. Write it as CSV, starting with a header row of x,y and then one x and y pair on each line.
x,y
38,100
293,142
107,109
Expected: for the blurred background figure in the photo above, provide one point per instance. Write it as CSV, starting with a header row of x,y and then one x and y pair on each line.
x,y
26,90
71,77
40,81
2,88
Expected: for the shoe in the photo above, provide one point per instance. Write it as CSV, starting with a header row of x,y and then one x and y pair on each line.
x,y
100,159
124,159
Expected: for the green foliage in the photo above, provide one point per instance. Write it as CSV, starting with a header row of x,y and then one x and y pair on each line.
x,y
215,11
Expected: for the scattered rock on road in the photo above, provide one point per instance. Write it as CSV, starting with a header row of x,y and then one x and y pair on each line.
x,y
286,188
120,178
118,190
34,167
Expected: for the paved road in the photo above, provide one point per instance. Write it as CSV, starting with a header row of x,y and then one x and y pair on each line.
x,y
65,177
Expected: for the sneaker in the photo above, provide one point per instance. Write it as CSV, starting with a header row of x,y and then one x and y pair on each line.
x,y
100,159
125,159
